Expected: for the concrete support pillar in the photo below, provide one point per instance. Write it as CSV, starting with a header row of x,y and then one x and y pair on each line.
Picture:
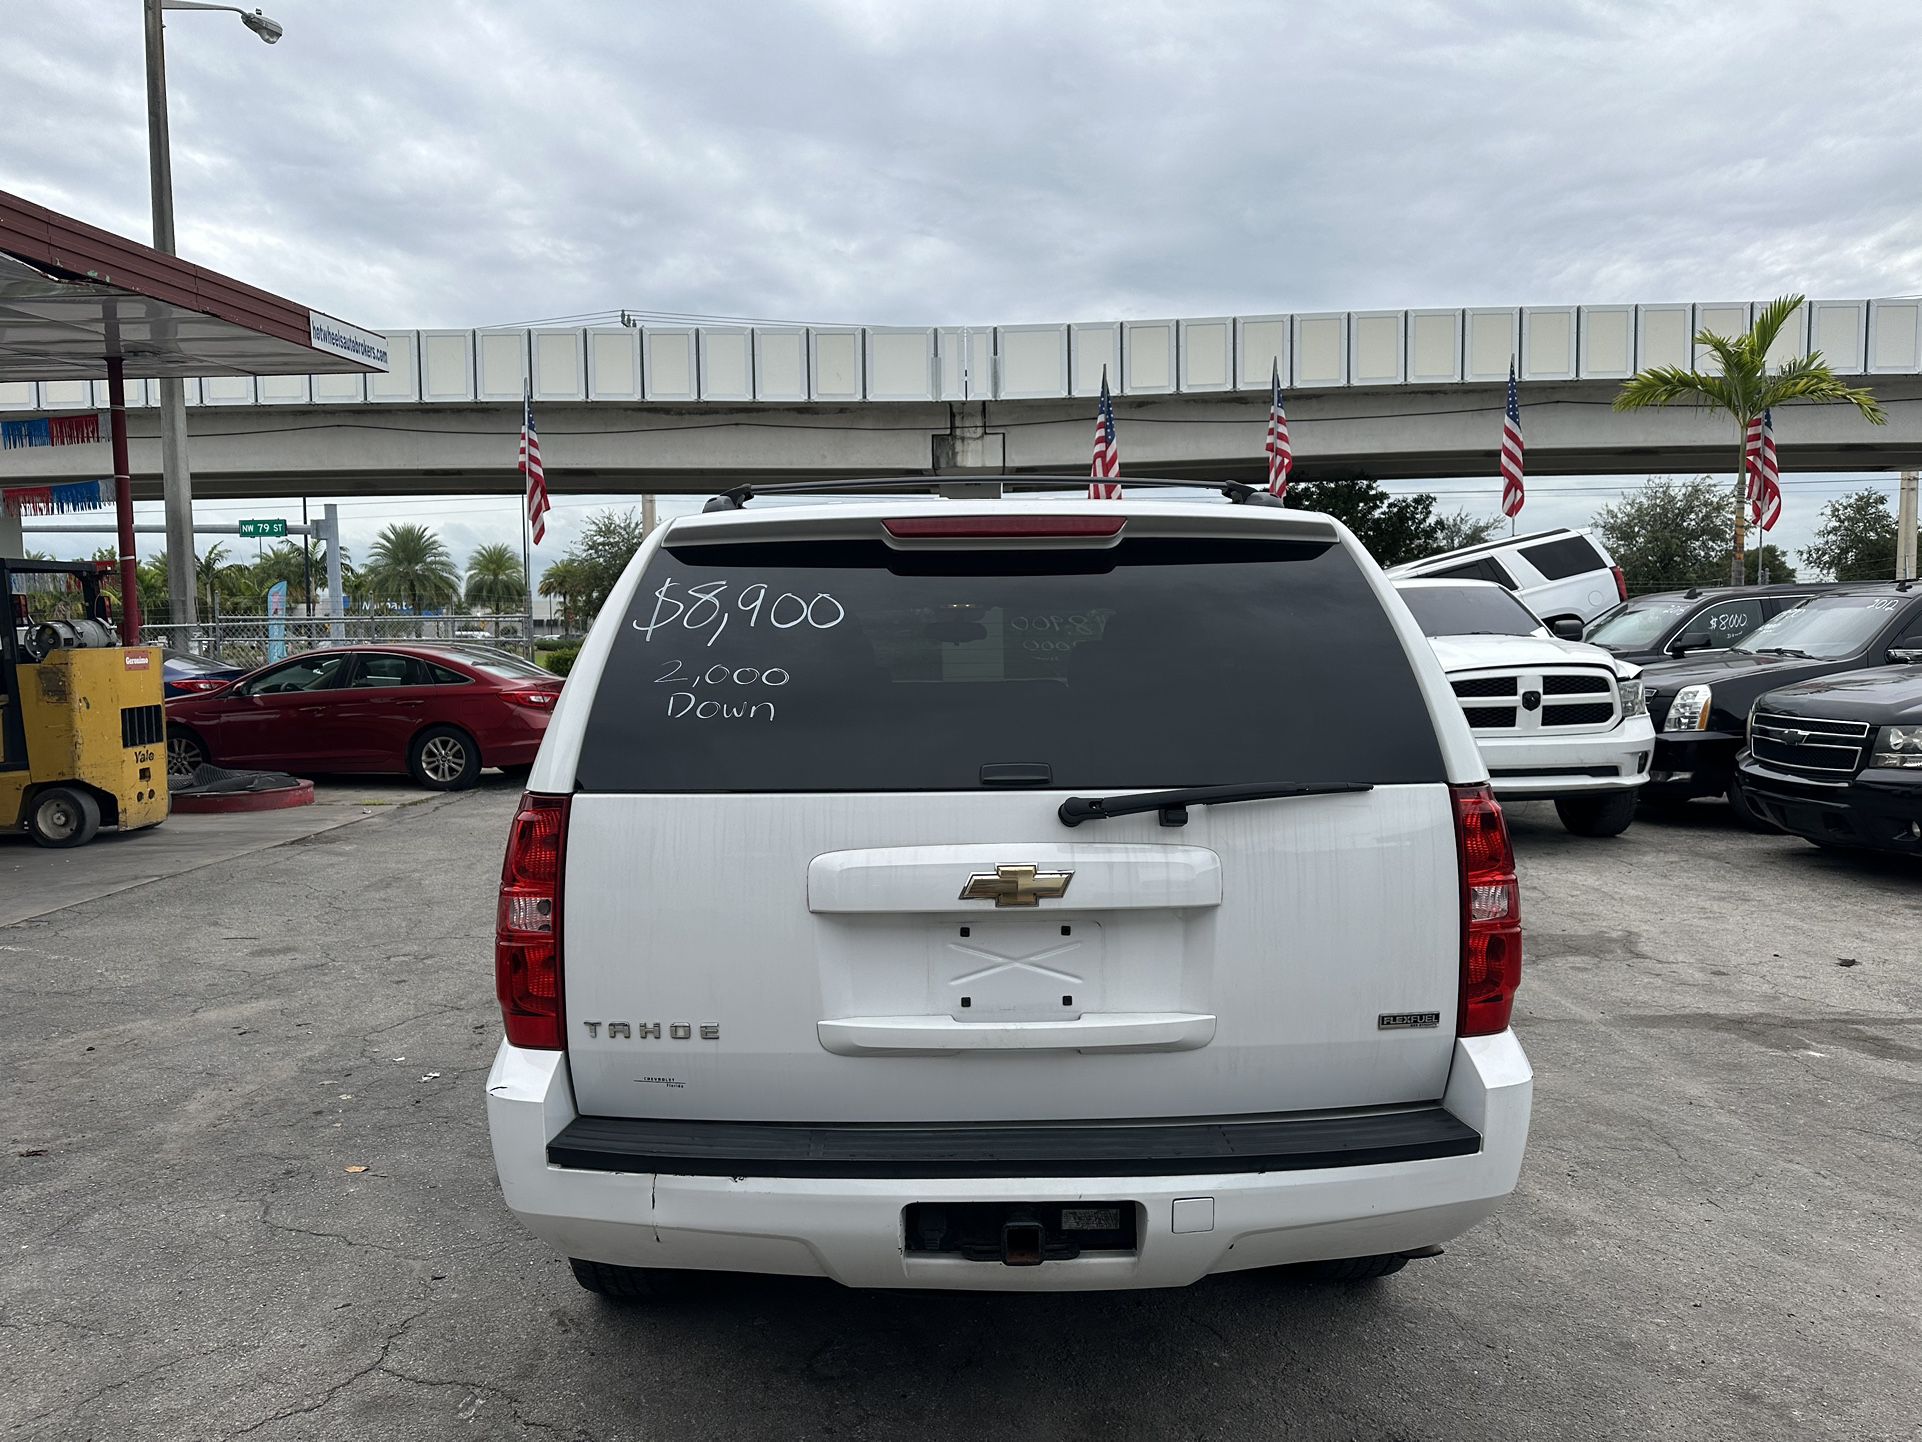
x,y
336,602
13,541
968,445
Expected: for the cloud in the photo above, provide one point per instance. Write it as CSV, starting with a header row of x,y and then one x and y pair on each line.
x,y
876,161
872,161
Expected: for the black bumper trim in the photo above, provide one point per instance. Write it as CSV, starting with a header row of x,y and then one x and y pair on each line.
x,y
1087,1149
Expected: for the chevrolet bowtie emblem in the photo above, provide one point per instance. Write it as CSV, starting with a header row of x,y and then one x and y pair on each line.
x,y
1794,737
1016,885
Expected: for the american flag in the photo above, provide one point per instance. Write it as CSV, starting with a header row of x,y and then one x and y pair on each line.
x,y
1764,474
1512,496
530,466
1281,459
1107,450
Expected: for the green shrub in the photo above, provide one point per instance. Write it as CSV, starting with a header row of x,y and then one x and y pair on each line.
x,y
561,660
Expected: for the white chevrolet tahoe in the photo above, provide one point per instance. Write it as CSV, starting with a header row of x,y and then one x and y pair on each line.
x,y
1556,719
1027,895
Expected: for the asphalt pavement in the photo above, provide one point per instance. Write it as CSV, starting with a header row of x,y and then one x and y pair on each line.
x,y
247,1191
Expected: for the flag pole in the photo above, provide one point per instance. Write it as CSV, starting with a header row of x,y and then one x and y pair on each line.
x,y
527,534
527,574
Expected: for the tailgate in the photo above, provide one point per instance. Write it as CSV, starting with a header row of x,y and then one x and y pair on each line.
x,y
810,958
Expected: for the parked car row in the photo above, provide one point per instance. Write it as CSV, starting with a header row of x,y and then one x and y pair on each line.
x,y
1800,704
439,713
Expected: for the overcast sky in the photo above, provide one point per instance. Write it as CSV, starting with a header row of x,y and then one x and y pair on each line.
x,y
407,163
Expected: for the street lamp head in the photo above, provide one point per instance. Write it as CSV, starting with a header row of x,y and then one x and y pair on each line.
x,y
267,29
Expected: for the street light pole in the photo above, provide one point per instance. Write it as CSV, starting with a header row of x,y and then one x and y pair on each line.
x,y
176,478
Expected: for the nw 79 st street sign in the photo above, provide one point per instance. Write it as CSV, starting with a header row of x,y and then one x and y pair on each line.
x,y
263,528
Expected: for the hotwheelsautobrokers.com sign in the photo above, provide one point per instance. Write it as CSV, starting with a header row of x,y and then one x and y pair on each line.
x,y
339,338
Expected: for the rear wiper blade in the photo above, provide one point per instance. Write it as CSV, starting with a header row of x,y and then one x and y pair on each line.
x,y
1173,805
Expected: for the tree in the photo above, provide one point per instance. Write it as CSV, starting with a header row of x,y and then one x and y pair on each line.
x,y
494,580
410,564
562,581
1669,534
150,576
1856,540
606,546
1461,529
1744,387
1393,528
1773,561
223,584
285,562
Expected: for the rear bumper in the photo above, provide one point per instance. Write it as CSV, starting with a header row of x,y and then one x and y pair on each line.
x,y
1880,808
850,1228
1540,767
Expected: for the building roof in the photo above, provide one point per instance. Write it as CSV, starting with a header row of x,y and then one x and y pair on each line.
x,y
72,294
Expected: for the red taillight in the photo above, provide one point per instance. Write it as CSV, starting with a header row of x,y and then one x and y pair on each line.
x,y
961,528
527,928
201,685
1621,583
1491,914
541,698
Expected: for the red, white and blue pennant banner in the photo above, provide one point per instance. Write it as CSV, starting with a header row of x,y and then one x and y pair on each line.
x,y
54,500
77,430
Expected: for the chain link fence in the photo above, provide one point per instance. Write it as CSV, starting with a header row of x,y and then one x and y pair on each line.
x,y
255,640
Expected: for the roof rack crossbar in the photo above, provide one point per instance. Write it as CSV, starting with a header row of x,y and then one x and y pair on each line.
x,y
736,497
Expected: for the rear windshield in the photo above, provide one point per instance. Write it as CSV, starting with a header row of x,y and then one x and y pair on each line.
x,y
1558,560
1469,611
851,666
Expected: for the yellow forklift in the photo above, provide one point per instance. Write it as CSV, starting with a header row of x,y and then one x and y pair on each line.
x,y
83,733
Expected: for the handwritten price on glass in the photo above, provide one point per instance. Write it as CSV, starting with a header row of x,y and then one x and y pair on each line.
x,y
707,608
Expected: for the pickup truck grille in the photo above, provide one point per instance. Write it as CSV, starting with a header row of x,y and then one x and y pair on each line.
x,y
1487,686
1809,746
1564,699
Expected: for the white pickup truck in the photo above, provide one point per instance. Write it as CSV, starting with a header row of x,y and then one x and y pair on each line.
x,y
1556,719
1005,894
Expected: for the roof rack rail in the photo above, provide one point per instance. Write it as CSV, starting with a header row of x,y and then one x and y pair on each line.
x,y
736,497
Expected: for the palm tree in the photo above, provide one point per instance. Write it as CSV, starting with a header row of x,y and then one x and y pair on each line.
x,y
494,580
562,579
285,562
410,563
222,583
1745,388
151,578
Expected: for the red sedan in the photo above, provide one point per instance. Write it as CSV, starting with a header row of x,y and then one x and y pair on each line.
x,y
439,713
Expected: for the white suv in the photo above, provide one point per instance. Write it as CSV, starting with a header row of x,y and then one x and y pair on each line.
x,y
991,894
1556,719
1559,574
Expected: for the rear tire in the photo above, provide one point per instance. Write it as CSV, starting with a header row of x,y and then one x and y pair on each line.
x,y
444,758
630,1284
63,816
1607,814
186,753
1355,1269
1747,815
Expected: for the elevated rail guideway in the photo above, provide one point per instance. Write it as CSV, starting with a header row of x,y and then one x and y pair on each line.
x,y
663,408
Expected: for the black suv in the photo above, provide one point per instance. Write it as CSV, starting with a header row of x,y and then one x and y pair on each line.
x,y
1666,624
1700,704
1839,760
